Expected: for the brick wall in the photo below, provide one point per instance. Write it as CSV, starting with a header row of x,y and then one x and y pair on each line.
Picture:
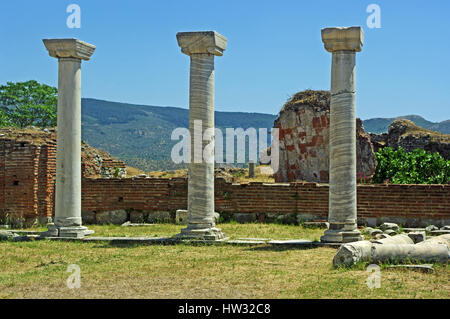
x,y
27,184
19,172
411,205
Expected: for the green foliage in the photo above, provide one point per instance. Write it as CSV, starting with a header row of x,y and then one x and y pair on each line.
x,y
417,167
28,103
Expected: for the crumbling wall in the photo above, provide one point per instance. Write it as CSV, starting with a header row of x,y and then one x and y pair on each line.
x,y
28,172
408,205
409,136
304,129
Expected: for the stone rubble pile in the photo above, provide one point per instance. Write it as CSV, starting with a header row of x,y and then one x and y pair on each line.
x,y
411,246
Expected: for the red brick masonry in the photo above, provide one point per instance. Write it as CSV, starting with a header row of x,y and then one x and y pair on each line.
x,y
27,175
406,204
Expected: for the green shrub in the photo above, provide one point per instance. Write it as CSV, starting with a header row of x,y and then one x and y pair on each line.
x,y
416,167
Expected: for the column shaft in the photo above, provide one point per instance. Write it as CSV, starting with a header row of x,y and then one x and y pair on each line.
x,y
68,155
342,196
201,173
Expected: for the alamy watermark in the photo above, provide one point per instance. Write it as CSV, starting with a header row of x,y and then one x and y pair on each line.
x,y
74,280
374,279
374,19
74,19
208,145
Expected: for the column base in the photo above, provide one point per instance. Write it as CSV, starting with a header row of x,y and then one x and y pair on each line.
x,y
209,234
66,231
341,236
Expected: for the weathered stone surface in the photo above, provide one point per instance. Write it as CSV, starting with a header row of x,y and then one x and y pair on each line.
x,y
398,253
88,217
202,47
158,217
244,217
343,39
69,48
442,239
386,226
404,133
431,228
137,217
342,208
304,124
216,217
445,228
351,253
69,52
410,230
181,217
202,42
375,232
367,230
6,235
380,236
417,237
390,232
397,239
116,217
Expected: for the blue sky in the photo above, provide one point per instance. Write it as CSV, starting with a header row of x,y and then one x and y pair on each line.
x,y
274,50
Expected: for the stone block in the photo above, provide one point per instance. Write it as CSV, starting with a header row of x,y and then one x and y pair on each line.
x,y
137,217
390,232
216,217
431,228
245,217
390,226
287,219
159,217
375,232
417,237
88,217
302,218
181,217
116,217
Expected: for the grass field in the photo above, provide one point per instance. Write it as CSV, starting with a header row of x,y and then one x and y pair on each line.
x,y
38,269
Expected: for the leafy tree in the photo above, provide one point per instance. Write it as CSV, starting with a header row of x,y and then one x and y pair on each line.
x,y
28,103
416,167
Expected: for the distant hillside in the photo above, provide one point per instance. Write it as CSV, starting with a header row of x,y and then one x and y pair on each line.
x,y
380,125
140,134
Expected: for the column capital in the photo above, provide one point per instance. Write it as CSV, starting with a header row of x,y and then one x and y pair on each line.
x,y
343,39
202,42
69,48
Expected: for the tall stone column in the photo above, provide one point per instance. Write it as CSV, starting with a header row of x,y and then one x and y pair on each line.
x,y
201,47
69,52
343,43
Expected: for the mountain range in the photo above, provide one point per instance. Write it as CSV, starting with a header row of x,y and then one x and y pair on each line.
x,y
140,135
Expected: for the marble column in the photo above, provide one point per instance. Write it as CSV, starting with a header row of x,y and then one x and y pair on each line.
x,y
69,53
202,47
343,43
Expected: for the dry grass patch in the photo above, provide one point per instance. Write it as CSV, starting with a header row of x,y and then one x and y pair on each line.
x,y
38,269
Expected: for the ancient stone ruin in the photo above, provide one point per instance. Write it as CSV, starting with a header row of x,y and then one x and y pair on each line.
x,y
409,136
69,52
304,124
343,43
321,141
202,47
